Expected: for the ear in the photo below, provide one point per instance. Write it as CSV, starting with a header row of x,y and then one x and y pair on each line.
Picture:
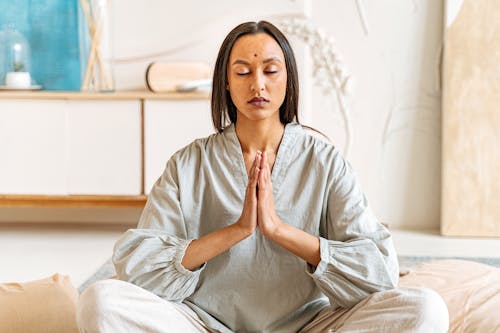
x,y
227,87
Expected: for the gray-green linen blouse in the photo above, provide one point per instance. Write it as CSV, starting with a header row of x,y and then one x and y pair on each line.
x,y
258,286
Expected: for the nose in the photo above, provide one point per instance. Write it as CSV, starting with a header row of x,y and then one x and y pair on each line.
x,y
258,82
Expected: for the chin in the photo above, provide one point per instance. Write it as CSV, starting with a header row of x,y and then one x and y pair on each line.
x,y
259,114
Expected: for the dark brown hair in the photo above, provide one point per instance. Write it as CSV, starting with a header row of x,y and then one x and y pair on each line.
x,y
222,104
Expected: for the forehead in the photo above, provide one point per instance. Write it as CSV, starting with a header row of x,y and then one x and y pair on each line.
x,y
257,46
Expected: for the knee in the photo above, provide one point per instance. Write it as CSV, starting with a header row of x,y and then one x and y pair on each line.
x,y
94,303
431,312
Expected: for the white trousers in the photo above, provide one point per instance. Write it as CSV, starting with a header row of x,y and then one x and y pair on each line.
x,y
118,306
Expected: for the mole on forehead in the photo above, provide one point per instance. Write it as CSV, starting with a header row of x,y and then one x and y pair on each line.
x,y
255,54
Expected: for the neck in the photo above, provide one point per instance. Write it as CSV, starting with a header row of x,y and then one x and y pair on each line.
x,y
264,135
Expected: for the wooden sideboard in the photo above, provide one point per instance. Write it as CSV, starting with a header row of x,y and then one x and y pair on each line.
x,y
92,149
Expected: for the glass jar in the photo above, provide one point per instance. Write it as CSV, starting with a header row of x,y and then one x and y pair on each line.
x,y
97,74
14,60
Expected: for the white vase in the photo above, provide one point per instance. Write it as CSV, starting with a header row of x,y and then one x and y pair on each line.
x,y
18,80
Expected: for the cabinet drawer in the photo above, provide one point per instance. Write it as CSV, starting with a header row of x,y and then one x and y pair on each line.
x,y
105,152
58,147
169,126
33,149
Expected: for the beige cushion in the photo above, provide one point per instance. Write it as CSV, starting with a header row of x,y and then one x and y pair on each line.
x,y
46,305
470,289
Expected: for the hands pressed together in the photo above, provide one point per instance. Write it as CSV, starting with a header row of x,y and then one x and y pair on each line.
x,y
258,208
258,211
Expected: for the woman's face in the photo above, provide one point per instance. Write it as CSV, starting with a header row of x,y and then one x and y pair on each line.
x,y
257,76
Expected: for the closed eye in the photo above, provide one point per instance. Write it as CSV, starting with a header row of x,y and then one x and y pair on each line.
x,y
267,72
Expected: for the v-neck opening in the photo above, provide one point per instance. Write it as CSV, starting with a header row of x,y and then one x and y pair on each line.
x,y
239,162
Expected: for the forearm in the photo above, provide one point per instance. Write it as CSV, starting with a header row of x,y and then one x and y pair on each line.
x,y
298,242
209,246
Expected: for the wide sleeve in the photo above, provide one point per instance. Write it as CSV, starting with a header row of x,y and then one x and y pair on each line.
x,y
357,253
151,255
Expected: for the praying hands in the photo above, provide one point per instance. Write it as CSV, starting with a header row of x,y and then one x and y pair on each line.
x,y
258,211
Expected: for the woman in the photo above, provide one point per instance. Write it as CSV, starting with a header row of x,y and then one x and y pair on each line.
x,y
258,228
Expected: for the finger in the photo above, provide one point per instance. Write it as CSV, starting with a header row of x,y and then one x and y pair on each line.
x,y
264,160
257,161
254,164
265,167
268,172
254,172
255,176
266,176
257,156
261,165
262,180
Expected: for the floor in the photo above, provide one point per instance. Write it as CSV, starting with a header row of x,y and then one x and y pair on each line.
x,y
32,252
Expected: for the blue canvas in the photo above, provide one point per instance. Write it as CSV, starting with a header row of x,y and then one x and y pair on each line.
x,y
52,30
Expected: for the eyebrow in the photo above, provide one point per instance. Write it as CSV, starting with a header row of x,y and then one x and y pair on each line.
x,y
239,61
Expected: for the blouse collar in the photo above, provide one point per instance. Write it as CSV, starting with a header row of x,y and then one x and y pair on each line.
x,y
290,134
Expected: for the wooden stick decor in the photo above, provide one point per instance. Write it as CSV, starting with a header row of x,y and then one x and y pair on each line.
x,y
97,76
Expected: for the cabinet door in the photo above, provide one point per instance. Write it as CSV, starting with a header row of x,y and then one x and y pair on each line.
x,y
105,147
33,148
169,126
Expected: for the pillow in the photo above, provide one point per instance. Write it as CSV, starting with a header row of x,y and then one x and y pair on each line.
x,y
470,289
46,305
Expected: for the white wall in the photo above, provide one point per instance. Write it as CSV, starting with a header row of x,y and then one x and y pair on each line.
x,y
394,106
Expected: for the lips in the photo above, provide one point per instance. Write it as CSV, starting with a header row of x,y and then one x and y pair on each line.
x,y
258,101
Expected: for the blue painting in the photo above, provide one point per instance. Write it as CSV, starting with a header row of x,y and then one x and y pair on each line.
x,y
52,29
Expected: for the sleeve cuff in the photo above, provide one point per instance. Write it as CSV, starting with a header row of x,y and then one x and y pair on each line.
x,y
324,250
179,255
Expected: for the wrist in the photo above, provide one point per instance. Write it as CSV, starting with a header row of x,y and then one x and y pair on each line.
x,y
242,231
278,230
